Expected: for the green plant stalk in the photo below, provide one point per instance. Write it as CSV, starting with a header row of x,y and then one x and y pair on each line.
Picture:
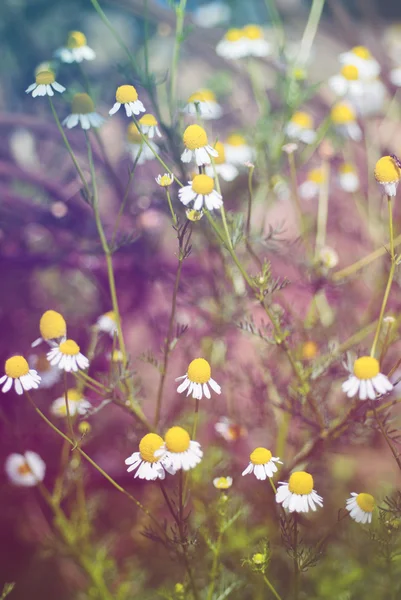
x,y
295,559
250,201
297,202
276,21
67,408
90,381
222,210
90,353
173,215
386,437
180,13
125,198
323,208
310,31
216,553
271,588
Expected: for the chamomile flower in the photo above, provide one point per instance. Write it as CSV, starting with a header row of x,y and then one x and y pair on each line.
x,y
348,178
301,127
76,49
164,180
343,117
226,171
229,430
211,14
347,82
52,327
366,380
328,257
372,100
388,175
149,126
360,507
238,152
310,188
193,215
360,57
298,494
201,191
262,464
145,463
138,149
197,146
83,112
205,104
26,469
77,404
222,483
67,356
233,45
45,85
128,96
309,350
254,43
179,451
49,375
197,379
107,323
18,373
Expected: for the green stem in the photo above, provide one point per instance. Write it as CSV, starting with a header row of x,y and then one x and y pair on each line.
x,y
295,558
180,13
173,215
215,566
67,408
323,207
386,437
271,588
297,202
125,198
310,31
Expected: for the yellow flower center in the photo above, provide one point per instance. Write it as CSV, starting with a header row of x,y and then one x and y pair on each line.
x,y
110,315
309,350
117,356
84,427
52,325
386,170
148,446
366,502
199,370
24,469
76,39
361,52
350,72
233,35
303,120
133,135
236,140
260,456
366,367
202,96
74,395
194,215
222,483
346,168
194,137
126,93
69,347
45,78
316,175
82,104
300,483
16,367
342,113
220,159
258,558
148,120
299,73
177,439
165,180
203,184
253,32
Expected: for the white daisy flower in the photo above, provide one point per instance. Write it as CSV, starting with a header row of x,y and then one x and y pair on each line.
x,y
211,14
388,174
67,356
76,49
348,178
262,464
360,57
179,451
52,327
253,42
77,404
201,191
225,170
238,152
164,180
347,82
49,375
197,379
222,483
233,45
107,323
145,463
360,507
149,126
298,494
197,146
343,117
83,112
44,85
395,76
18,373
372,100
229,430
310,188
26,469
137,148
127,95
301,127
366,381
203,102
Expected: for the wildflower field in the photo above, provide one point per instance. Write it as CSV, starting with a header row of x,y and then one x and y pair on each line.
x,y
200,300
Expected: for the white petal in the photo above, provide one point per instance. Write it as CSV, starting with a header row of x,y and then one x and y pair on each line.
x,y
115,108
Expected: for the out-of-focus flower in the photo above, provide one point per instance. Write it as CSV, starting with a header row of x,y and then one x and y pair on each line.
x,y
347,82
238,152
348,178
366,380
226,171
395,76
229,430
164,180
392,41
44,85
76,49
372,100
26,469
280,187
83,112
360,57
128,96
309,350
18,373
197,146
328,257
262,464
343,117
298,494
310,188
52,327
179,451
222,483
67,356
301,127
138,149
149,126
233,45
203,102
197,379
254,43
145,463
107,323
201,191
360,507
194,215
212,14
49,375
388,175
84,427
77,404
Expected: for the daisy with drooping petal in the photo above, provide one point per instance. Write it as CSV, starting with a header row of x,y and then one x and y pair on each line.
x,y
164,180
226,171
197,379
44,85
360,57
197,146
107,323
366,380
343,117
348,178
238,152
229,430
76,49
301,127
145,463
49,375
67,356
52,327
201,191
18,372
360,507
310,188
347,82
233,45
128,96
298,494
388,175
205,104
26,469
149,126
253,42
83,112
138,149
77,404
222,483
179,451
262,464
